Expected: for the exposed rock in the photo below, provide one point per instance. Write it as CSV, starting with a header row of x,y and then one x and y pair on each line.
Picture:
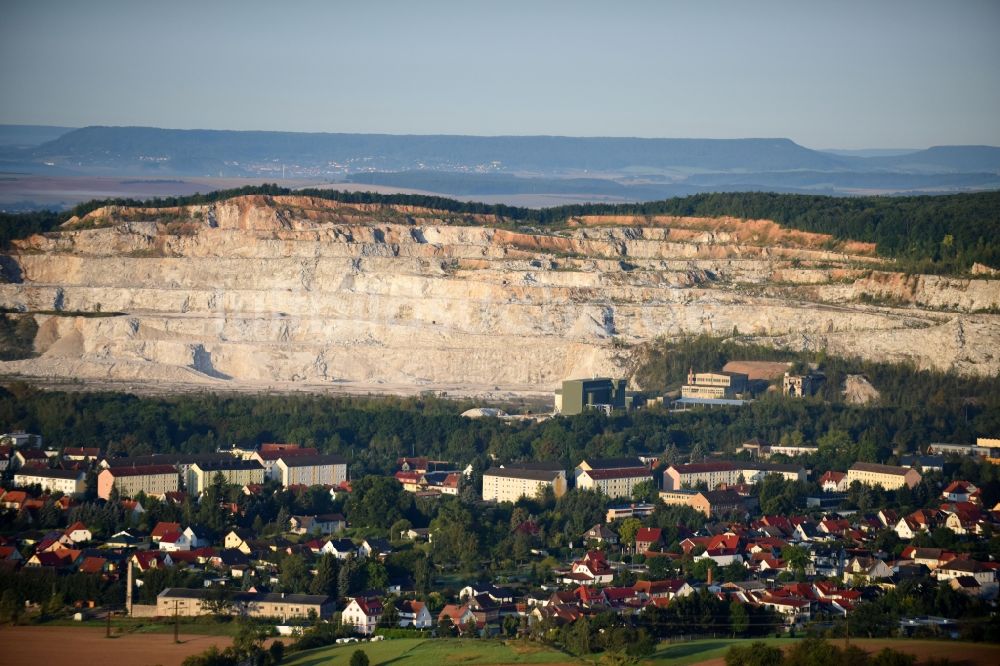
x,y
859,391
294,292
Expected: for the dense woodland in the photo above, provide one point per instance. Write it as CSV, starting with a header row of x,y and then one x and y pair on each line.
x,y
938,234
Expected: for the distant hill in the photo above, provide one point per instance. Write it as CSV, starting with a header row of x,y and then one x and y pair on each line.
x,y
193,152
627,169
29,135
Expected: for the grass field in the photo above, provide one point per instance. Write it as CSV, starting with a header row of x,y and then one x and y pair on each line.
x,y
421,652
436,652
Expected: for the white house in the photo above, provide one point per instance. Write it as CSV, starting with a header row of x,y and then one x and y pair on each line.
x,y
414,614
78,533
362,614
342,549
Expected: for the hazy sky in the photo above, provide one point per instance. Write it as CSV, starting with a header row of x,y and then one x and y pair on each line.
x,y
832,74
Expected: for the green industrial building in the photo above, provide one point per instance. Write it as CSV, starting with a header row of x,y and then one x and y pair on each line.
x,y
577,395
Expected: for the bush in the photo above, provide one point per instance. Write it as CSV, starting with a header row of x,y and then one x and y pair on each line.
x,y
359,658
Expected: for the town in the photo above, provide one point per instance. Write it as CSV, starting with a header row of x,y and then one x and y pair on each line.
x,y
658,544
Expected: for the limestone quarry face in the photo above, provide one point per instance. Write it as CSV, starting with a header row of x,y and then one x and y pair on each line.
x,y
300,293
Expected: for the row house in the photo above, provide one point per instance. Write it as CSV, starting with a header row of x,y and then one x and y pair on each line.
x,y
67,481
615,477
511,483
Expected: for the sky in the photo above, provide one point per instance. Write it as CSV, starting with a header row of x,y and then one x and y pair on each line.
x,y
846,74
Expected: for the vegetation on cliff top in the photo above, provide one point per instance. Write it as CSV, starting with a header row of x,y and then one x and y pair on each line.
x,y
930,234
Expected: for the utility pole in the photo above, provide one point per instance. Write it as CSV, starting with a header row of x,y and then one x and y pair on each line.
x,y
176,623
108,633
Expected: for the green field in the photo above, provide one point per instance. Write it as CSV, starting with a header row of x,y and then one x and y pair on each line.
x,y
459,652
436,652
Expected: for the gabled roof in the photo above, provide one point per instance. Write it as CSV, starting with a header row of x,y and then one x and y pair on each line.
x,y
141,470
163,528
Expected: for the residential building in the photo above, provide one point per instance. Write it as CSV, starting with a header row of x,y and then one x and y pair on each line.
x,y
576,395
957,568
715,503
327,523
81,454
414,614
234,470
362,614
130,481
886,476
68,481
834,482
601,534
615,477
714,474
319,470
640,510
270,454
992,447
511,483
189,602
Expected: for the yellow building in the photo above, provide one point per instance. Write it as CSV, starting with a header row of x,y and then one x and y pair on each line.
x,y
615,477
992,447
130,481
234,471
317,470
69,482
509,484
715,385
886,476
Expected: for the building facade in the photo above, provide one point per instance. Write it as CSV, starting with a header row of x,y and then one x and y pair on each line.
x,y
69,482
319,470
509,484
714,474
715,385
615,477
888,477
189,602
234,471
130,481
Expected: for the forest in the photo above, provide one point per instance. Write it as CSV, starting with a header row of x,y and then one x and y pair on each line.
x,y
928,234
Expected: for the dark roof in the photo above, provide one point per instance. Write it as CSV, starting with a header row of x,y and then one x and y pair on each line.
x,y
168,459
548,465
879,469
613,463
522,473
722,496
142,470
51,473
309,461
230,463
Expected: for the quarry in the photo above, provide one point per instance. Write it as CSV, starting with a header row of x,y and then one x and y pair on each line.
x,y
291,293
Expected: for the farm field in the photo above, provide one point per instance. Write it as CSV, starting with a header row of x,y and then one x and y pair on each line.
x,y
421,652
30,646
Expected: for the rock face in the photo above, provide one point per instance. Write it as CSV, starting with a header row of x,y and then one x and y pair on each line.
x,y
293,292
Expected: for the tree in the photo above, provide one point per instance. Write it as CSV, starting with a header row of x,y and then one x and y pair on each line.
x,y
755,654
739,618
645,491
218,601
10,607
627,531
359,658
325,580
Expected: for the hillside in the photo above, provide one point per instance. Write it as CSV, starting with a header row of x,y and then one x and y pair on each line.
x,y
295,292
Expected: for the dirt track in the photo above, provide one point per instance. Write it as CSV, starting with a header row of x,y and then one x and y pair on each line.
x,y
31,646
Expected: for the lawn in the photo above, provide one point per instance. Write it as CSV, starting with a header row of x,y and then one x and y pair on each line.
x,y
436,652
696,652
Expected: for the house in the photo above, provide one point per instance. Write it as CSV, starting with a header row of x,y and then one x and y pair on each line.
x,y
592,569
887,477
413,614
960,491
67,481
328,523
238,540
601,534
615,477
362,614
81,454
662,589
866,570
152,480
458,616
163,528
78,533
30,458
174,541
957,568
377,548
144,560
834,482
714,503
647,537
795,611
511,483
342,549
